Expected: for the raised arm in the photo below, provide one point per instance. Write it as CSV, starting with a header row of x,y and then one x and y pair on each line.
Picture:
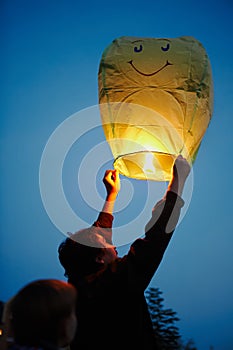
x,y
148,252
104,221
111,181
166,213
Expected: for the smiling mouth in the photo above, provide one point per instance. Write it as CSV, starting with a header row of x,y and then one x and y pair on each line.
x,y
149,74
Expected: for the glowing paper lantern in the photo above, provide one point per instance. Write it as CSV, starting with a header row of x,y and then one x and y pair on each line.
x,y
155,99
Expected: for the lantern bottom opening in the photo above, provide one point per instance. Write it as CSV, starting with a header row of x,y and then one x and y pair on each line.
x,y
146,165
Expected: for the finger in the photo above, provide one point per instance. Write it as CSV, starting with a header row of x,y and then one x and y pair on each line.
x,y
116,173
106,174
179,157
109,177
113,174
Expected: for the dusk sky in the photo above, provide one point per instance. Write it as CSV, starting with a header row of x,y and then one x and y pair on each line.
x,y
50,55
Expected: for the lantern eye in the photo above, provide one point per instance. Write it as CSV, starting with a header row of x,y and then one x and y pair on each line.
x,y
166,48
138,49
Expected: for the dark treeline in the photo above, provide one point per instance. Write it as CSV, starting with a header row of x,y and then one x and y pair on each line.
x,y
164,321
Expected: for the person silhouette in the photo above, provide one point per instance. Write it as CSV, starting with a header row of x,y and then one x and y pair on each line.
x,y
112,308
42,315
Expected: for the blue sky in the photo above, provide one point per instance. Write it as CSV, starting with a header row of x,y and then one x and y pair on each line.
x,y
50,53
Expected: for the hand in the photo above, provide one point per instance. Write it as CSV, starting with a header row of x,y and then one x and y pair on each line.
x,y
111,181
180,172
181,168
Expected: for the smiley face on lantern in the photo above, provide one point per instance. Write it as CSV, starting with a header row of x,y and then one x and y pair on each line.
x,y
140,49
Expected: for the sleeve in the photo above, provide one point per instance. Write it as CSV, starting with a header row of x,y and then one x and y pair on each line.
x,y
146,254
104,222
165,214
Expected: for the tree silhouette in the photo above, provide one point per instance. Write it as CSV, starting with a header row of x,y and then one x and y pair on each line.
x,y
166,332
163,320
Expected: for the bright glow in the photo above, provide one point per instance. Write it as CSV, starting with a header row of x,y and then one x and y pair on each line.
x,y
148,166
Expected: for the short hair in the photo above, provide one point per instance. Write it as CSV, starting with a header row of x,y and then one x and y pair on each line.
x,y
77,254
38,309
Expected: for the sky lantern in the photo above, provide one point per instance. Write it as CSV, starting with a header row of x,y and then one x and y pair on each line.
x,y
155,98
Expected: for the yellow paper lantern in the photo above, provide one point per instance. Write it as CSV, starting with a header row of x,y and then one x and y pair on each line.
x,y
155,98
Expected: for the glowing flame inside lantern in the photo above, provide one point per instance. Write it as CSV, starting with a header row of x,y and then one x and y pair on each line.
x,y
148,165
